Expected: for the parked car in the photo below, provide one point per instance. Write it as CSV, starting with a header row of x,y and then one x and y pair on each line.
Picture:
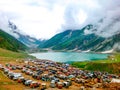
x,y
20,79
53,71
56,80
62,77
6,70
45,77
60,85
18,67
69,82
43,86
28,82
28,72
24,80
35,75
16,76
53,84
39,72
11,75
24,70
66,84
13,68
34,84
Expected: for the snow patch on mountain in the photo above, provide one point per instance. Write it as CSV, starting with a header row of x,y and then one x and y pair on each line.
x,y
31,40
86,31
108,51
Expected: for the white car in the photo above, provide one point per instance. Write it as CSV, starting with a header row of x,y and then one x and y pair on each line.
x,y
28,82
16,76
52,84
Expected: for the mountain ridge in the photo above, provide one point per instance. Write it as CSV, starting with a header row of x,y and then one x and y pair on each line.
x,y
79,40
25,39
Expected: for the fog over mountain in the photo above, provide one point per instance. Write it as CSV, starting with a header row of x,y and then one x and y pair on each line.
x,y
45,18
4,25
110,24
12,29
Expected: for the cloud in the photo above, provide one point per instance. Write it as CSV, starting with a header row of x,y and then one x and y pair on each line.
x,y
45,18
73,17
110,24
4,25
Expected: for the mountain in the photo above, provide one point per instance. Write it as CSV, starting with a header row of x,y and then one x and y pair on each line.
x,y
9,42
7,26
83,39
25,39
109,43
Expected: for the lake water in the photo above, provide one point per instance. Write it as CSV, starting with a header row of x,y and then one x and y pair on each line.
x,y
69,56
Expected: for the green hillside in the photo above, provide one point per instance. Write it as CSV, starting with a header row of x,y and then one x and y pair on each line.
x,y
79,40
9,42
73,39
12,54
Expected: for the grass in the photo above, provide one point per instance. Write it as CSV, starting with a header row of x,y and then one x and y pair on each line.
x,y
111,65
7,53
79,64
8,56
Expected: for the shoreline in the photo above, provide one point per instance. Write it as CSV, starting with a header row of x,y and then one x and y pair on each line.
x,y
105,52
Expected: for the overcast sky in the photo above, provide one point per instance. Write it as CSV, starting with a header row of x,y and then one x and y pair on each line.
x,y
45,18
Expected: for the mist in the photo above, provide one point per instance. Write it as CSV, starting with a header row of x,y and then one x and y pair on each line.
x,y
110,23
5,26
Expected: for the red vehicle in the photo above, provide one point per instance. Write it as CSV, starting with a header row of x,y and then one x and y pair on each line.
x,y
20,80
34,84
60,85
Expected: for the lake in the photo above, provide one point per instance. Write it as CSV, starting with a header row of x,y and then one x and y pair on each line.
x,y
69,56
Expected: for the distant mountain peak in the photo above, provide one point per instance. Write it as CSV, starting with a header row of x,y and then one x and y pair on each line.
x,y
13,30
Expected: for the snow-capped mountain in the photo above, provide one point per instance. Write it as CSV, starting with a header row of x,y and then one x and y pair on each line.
x,y
12,29
25,39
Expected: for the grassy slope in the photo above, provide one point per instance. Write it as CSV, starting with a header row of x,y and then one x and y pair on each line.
x,y
9,56
7,53
109,65
9,42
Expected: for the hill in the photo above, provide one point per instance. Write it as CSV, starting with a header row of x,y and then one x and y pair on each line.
x,y
9,42
11,54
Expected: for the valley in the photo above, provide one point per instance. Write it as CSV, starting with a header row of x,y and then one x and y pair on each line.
x,y
74,47
59,44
